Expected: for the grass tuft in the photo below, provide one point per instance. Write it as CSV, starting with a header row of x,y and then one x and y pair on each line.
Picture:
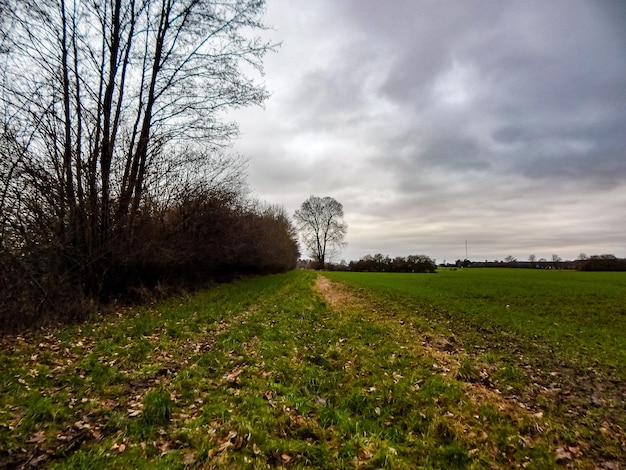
x,y
157,407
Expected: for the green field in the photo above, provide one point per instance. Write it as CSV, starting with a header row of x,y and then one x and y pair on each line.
x,y
581,315
296,371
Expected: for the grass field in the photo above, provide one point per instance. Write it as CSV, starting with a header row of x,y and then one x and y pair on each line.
x,y
582,315
296,371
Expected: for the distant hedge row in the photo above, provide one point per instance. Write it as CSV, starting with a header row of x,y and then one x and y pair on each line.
x,y
598,263
381,263
592,263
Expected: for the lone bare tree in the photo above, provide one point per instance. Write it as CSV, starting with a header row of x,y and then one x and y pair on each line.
x,y
320,221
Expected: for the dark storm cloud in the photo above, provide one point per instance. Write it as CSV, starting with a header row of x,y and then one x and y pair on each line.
x,y
594,154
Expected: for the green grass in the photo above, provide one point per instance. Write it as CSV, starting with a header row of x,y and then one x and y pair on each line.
x,y
268,372
552,341
580,314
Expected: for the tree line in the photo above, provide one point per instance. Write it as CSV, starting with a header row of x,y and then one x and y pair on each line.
x,y
604,262
114,170
382,263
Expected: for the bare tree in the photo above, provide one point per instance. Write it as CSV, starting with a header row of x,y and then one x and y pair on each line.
x,y
320,221
98,96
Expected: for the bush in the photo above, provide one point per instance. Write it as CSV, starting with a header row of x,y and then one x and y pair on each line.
x,y
198,237
602,263
380,263
34,295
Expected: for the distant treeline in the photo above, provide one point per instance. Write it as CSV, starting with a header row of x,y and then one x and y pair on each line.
x,y
381,263
591,263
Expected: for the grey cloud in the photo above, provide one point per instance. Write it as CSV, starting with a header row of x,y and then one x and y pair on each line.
x,y
325,99
593,153
540,69
503,123
415,163
455,153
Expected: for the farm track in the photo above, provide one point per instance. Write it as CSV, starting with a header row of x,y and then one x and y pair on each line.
x,y
573,396
305,370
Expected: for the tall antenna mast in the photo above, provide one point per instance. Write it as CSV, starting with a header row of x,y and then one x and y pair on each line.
x,y
465,249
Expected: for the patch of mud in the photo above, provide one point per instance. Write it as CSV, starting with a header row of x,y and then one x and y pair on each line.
x,y
337,295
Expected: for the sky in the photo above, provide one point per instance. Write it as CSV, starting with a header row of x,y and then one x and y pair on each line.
x,y
500,124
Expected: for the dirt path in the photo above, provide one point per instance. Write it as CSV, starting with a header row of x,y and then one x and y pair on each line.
x,y
558,397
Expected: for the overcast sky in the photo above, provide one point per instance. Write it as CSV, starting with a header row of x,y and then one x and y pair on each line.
x,y
502,123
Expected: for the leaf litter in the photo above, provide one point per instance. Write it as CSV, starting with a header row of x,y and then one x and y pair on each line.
x,y
554,399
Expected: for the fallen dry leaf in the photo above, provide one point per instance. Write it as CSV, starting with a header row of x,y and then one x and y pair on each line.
x,y
562,456
38,438
238,443
164,448
364,454
189,458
